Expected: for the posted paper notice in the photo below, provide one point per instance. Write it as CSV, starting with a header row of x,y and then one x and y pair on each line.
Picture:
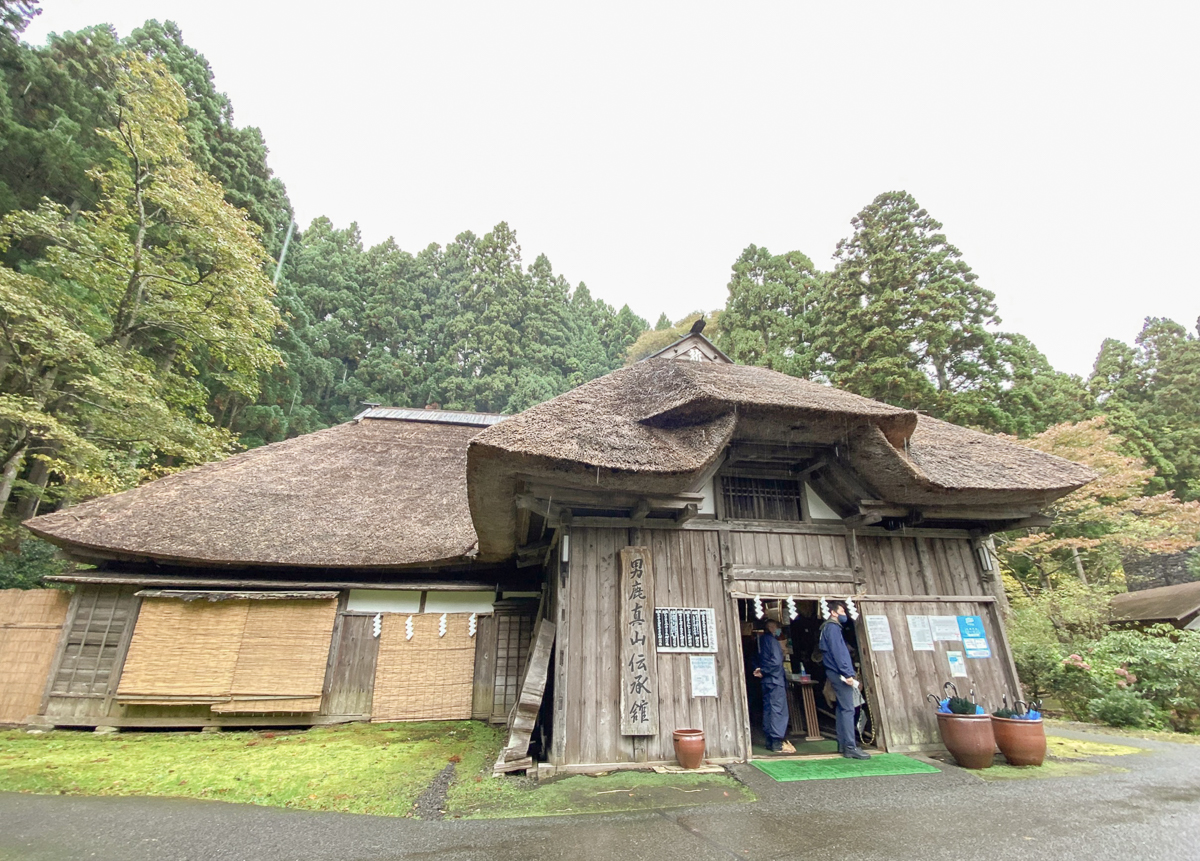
x,y
920,633
879,632
958,667
704,675
945,629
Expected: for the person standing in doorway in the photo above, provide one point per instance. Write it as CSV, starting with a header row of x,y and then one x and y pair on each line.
x,y
769,668
835,655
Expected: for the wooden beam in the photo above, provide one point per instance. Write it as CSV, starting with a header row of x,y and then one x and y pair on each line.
x,y
866,518
687,513
274,585
831,575
640,511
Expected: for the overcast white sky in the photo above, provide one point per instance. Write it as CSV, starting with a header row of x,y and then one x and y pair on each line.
x,y
641,146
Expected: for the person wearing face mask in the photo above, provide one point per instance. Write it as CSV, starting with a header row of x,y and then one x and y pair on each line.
x,y
835,655
769,668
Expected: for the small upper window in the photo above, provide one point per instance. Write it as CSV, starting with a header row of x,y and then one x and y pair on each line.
x,y
752,498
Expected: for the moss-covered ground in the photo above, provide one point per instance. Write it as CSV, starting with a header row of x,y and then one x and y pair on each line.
x,y
379,769
1065,757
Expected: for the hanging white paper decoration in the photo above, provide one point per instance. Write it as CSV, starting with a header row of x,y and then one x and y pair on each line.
x,y
408,629
442,626
851,610
791,608
824,609
758,608
472,625
377,624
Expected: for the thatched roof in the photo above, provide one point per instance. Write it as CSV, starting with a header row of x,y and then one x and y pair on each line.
x,y
1164,604
659,424
373,493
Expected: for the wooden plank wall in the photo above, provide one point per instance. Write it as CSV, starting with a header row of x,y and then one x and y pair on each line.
x,y
587,692
788,550
903,677
915,565
350,680
483,697
907,565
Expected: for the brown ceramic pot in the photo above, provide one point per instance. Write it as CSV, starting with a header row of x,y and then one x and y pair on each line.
x,y
969,739
1023,742
689,747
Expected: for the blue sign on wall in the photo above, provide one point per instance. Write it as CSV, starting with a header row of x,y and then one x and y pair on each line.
x,y
974,637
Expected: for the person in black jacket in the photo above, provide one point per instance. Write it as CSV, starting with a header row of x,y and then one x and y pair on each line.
x,y
835,655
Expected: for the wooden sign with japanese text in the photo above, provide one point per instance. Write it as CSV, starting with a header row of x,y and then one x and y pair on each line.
x,y
639,662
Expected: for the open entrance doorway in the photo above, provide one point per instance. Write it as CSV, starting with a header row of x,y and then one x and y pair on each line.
x,y
811,706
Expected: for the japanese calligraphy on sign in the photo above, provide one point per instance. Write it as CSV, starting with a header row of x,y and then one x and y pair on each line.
x,y
685,629
639,664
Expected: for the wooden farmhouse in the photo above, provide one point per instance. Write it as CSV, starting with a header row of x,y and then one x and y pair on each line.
x,y
591,571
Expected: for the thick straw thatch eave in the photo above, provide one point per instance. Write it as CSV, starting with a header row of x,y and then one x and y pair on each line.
x,y
372,494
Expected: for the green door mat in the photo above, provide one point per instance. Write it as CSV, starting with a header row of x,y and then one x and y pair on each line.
x,y
784,770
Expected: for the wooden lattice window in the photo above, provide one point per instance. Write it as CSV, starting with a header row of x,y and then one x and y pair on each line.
x,y
754,498
513,635
94,640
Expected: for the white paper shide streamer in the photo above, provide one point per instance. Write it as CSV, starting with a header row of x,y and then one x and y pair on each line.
x,y
377,625
472,625
851,610
408,629
442,626
824,609
791,608
758,608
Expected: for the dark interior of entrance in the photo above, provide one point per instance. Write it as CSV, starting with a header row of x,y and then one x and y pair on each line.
x,y
811,713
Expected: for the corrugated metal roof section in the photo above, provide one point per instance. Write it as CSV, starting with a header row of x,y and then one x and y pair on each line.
x,y
450,417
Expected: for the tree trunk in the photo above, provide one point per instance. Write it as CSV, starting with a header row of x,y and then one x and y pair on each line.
x,y
11,467
39,476
1079,572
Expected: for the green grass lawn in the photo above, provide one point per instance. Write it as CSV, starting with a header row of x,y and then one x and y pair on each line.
x,y
356,768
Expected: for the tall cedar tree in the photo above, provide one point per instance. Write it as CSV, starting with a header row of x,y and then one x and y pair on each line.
x,y
1151,393
902,318
768,317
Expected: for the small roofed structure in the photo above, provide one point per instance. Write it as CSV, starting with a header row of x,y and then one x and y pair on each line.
x,y
1177,605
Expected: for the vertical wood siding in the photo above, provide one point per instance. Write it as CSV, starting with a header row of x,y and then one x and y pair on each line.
x,y
687,574
350,681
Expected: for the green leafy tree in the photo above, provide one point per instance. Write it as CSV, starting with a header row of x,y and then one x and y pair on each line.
x,y
903,319
1152,391
107,331
767,319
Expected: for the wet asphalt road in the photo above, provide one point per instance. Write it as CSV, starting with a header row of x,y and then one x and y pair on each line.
x,y
1150,812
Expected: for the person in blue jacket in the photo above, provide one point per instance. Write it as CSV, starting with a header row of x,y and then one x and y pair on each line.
x,y
769,668
839,669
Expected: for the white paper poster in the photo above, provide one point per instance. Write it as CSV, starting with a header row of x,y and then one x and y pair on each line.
x,y
704,675
879,632
945,629
958,666
920,634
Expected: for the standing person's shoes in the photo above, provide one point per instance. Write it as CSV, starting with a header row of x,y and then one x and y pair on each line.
x,y
856,753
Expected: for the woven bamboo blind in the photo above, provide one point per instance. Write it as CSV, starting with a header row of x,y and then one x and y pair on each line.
x,y
31,622
428,677
284,650
240,655
183,649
